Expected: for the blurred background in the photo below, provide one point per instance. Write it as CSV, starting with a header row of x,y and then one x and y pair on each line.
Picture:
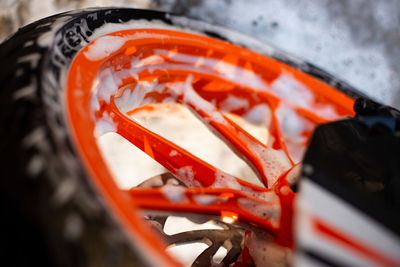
x,y
358,41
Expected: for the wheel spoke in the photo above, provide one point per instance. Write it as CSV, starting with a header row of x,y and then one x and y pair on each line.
x,y
229,203
268,162
188,168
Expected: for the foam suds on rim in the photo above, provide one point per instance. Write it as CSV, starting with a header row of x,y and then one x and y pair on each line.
x,y
104,125
293,91
233,103
109,81
271,212
173,153
174,193
131,99
274,162
138,24
224,180
107,85
205,200
186,175
292,125
259,114
151,60
104,46
225,70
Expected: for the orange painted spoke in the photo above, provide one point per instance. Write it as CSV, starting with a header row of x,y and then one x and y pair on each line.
x,y
212,201
191,170
240,141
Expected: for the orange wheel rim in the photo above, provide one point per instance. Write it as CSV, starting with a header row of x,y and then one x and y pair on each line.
x,y
208,70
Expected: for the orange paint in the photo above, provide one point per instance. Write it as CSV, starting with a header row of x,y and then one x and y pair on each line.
x,y
147,148
130,50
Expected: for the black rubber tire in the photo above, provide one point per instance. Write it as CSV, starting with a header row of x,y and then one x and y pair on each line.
x,y
53,214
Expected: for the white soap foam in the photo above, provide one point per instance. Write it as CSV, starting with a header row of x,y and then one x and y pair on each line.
x,y
205,200
186,175
274,162
224,180
133,99
104,125
103,47
150,60
233,103
173,153
259,114
106,45
107,85
326,111
174,193
270,211
290,89
292,125
225,70
293,91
